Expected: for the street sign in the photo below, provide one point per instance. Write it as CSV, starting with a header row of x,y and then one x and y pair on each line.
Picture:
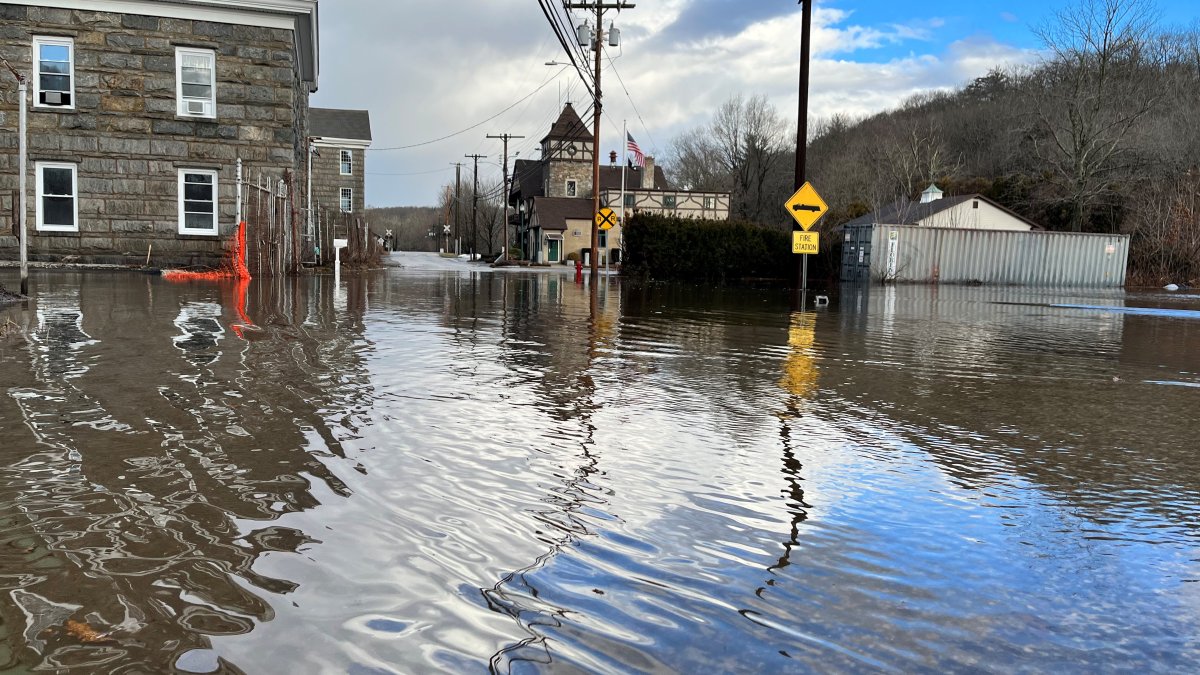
x,y
606,218
806,206
805,243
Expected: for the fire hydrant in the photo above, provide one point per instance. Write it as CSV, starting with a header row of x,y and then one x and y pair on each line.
x,y
579,271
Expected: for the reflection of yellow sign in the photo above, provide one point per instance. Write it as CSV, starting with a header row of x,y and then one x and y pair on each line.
x,y
806,206
805,243
800,368
606,218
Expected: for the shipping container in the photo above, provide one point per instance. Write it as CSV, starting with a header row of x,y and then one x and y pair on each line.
x,y
930,255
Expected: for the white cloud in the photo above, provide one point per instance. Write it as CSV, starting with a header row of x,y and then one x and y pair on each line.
x,y
425,71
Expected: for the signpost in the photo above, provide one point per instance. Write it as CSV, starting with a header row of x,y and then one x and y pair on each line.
x,y
806,207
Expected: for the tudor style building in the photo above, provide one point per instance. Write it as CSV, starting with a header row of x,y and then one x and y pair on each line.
x,y
138,112
553,196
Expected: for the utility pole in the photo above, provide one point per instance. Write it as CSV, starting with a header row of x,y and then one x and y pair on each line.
x,y
475,206
597,42
802,119
505,138
457,204
22,161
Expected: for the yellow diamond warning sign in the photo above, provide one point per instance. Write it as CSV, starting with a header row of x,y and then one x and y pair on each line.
x,y
806,206
805,243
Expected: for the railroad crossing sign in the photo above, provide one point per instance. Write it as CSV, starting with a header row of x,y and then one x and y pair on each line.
x,y
606,218
805,243
806,206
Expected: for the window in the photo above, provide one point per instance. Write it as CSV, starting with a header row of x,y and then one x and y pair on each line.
x,y
57,203
347,200
196,82
710,203
629,201
668,201
54,81
347,163
572,188
603,243
197,201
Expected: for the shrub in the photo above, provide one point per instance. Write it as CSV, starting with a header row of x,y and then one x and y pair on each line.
x,y
663,247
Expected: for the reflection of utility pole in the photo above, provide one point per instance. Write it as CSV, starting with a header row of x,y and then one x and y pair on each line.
x,y
457,204
505,137
596,42
22,160
475,206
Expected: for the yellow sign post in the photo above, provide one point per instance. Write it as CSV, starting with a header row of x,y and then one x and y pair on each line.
x,y
806,206
805,243
606,219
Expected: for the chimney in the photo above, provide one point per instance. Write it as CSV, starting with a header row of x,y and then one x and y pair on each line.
x,y
612,158
648,174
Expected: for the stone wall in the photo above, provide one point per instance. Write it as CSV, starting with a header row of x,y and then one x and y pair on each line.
x,y
126,139
560,171
328,181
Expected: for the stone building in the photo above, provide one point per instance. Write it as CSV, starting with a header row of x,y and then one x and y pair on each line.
x,y
138,112
340,139
553,196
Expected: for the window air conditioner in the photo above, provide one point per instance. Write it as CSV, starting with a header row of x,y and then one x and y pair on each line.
x,y
52,97
196,107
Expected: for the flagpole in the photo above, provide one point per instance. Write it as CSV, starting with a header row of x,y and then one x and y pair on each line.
x,y
624,156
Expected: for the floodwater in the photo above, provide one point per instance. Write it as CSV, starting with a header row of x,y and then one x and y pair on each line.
x,y
410,472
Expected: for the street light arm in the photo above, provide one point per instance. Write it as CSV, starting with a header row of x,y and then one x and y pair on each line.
x,y
19,76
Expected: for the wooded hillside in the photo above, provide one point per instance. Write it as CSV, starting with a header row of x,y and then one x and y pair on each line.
x,y
1101,135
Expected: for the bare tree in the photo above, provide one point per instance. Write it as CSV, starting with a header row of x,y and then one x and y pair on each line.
x,y
1089,97
743,150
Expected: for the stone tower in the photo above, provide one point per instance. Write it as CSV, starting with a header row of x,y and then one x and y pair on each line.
x,y
567,152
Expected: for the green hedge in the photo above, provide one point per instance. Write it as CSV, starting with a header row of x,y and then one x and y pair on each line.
x,y
686,249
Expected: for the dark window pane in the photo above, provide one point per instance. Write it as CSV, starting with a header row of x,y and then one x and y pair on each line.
x,y
197,207
203,178
56,83
56,67
55,53
201,91
56,182
201,192
58,211
198,221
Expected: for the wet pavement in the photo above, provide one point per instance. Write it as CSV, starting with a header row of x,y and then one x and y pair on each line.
x,y
425,470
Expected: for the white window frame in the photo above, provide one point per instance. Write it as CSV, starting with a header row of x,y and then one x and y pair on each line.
x,y
346,159
69,43
602,239
571,189
180,103
202,232
710,203
343,195
40,211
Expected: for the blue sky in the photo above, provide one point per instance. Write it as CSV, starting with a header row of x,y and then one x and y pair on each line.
x,y
447,66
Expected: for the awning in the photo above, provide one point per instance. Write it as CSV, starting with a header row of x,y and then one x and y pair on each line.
x,y
555,237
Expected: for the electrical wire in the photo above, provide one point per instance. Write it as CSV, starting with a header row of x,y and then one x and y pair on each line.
x,y
473,126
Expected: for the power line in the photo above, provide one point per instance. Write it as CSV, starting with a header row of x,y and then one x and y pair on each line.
x,y
414,173
473,126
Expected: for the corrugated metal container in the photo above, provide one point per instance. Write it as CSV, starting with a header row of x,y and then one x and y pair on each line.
x,y
909,254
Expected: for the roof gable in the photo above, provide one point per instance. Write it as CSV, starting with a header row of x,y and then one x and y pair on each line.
x,y
907,212
568,126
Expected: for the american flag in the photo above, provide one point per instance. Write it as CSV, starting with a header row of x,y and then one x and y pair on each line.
x,y
638,157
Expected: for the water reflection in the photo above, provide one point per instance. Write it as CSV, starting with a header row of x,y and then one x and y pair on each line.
x,y
136,467
413,472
